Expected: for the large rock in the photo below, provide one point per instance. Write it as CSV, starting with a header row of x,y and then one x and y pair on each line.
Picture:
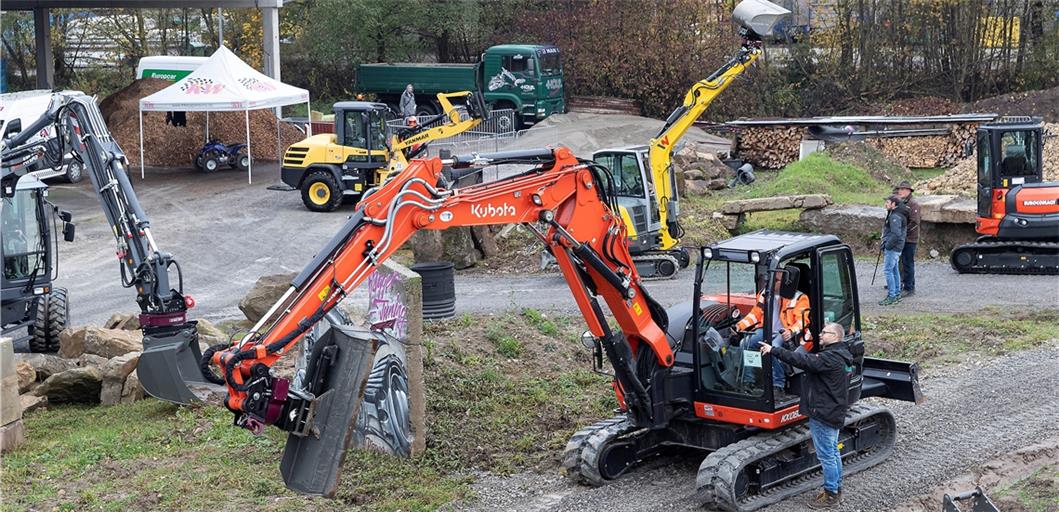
x,y
209,333
132,390
80,385
26,375
114,374
694,174
716,184
47,365
485,241
107,343
427,246
947,209
459,247
849,219
31,402
125,321
265,292
696,187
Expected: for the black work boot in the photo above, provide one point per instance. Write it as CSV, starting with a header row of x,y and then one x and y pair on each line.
x,y
826,499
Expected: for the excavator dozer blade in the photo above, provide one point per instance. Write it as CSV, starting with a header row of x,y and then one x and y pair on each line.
x,y
339,367
169,365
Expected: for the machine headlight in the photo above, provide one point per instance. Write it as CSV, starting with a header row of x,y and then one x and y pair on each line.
x,y
588,340
755,257
707,253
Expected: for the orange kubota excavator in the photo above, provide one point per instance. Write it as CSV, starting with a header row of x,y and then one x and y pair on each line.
x,y
678,379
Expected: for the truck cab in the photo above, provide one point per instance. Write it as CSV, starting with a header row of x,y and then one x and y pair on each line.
x,y
526,78
330,166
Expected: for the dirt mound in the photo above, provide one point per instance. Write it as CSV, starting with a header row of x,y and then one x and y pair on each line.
x,y
171,146
922,106
1043,103
869,158
961,178
585,133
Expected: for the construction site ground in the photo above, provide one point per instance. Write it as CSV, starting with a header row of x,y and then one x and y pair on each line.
x,y
990,345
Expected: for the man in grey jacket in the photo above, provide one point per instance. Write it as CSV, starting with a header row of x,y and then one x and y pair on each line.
x,y
908,254
408,102
893,242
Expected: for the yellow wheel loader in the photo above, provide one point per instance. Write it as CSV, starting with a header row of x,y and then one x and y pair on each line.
x,y
330,167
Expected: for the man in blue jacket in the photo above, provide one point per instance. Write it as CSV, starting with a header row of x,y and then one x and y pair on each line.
x,y
824,400
895,230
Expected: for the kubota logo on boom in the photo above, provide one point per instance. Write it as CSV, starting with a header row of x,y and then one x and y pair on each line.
x,y
488,210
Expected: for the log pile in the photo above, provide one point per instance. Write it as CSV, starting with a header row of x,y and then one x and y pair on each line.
x,y
170,146
769,147
929,151
604,105
961,178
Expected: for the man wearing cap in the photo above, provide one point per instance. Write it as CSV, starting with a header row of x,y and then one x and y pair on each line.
x,y
908,254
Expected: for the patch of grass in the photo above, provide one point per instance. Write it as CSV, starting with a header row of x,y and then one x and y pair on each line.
x,y
935,339
486,411
818,173
541,322
1037,492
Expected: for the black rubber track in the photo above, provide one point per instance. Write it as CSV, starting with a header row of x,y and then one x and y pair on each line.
x,y
716,480
992,247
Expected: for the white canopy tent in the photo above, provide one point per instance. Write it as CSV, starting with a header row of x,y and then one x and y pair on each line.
x,y
223,83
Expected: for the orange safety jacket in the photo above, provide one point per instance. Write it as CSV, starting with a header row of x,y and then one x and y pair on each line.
x,y
791,311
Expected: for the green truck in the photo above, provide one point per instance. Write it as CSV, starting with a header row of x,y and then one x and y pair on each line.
x,y
526,78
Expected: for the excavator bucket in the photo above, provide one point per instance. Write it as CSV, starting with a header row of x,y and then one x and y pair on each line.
x,y
169,365
336,378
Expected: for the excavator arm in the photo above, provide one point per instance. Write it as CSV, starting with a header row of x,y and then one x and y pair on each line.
x,y
756,19
442,126
568,202
696,101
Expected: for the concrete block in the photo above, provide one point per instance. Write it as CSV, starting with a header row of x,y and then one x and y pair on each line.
x,y
10,407
12,435
395,305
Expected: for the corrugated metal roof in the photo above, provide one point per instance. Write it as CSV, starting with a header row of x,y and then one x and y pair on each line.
x,y
865,120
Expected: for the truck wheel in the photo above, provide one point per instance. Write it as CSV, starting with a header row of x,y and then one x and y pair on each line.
x,y
320,192
75,172
53,312
427,109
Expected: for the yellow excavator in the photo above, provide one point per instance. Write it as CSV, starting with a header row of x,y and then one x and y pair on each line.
x,y
329,167
644,175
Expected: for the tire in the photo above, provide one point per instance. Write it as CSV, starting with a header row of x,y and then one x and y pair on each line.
x,y
198,162
427,109
320,192
75,172
241,161
210,163
53,313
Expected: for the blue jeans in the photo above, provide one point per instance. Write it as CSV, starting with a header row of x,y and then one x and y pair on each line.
x,y
893,276
908,267
825,440
779,374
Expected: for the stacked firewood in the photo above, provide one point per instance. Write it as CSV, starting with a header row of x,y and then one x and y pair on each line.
x,y
929,151
769,147
962,177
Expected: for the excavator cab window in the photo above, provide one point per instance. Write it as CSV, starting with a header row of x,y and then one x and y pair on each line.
x,y
625,168
354,135
23,241
1019,156
727,369
378,132
985,173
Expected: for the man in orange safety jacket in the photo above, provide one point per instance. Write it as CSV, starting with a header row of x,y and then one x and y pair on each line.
x,y
788,316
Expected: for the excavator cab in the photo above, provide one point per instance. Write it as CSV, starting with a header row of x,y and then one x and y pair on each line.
x,y
1009,155
30,263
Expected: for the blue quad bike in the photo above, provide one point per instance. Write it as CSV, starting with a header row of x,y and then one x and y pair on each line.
x,y
215,154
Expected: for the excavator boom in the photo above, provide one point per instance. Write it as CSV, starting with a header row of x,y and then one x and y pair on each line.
x,y
571,201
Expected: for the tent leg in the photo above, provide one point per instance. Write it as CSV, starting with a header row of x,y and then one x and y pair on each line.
x,y
141,145
249,158
309,113
207,141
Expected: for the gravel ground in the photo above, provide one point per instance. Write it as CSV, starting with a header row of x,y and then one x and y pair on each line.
x,y
972,412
